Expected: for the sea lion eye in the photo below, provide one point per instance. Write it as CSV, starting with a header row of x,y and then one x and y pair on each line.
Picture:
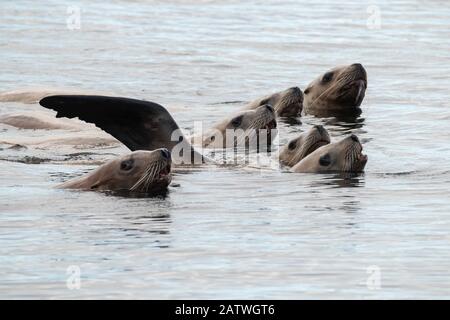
x,y
307,91
325,160
327,77
292,145
236,122
126,165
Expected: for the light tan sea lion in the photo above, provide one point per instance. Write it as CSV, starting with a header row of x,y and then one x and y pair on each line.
x,y
306,143
35,121
34,94
287,103
244,125
343,156
339,91
139,171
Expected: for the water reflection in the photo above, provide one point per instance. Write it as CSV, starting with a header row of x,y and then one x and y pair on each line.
x,y
348,116
291,121
132,194
344,125
340,180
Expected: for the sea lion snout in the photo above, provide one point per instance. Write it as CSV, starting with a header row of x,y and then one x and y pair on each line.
x,y
165,153
358,67
296,90
354,138
320,129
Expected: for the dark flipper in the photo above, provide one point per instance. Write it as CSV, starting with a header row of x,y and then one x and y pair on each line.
x,y
140,125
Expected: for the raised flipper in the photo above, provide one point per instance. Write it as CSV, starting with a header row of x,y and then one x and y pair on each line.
x,y
138,124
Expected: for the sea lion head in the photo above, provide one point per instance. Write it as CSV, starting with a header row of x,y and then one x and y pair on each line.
x,y
339,90
343,156
244,126
139,171
287,103
298,148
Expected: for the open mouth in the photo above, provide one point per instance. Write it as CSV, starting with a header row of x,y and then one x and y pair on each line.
x,y
165,172
271,125
361,87
361,158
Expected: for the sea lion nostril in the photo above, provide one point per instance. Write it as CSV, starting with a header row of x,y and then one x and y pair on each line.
x,y
296,90
270,108
165,153
354,138
320,128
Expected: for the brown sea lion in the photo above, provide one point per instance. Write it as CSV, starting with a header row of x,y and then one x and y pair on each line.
x,y
287,103
340,91
298,148
242,127
343,156
139,171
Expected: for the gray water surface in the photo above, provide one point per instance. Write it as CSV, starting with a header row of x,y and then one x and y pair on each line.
x,y
227,232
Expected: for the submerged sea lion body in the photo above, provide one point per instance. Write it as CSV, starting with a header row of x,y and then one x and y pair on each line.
x,y
34,94
35,121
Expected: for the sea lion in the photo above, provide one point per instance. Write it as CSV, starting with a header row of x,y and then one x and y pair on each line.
x,y
139,171
287,103
35,121
32,95
240,128
343,156
145,125
298,148
340,91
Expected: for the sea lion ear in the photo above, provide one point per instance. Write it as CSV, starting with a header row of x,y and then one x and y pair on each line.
x,y
325,160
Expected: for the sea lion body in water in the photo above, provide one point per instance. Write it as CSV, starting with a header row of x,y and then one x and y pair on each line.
x,y
35,121
34,94
303,145
287,103
340,91
144,125
343,156
240,128
139,171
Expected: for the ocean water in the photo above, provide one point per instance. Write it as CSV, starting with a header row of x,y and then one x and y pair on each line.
x,y
228,232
